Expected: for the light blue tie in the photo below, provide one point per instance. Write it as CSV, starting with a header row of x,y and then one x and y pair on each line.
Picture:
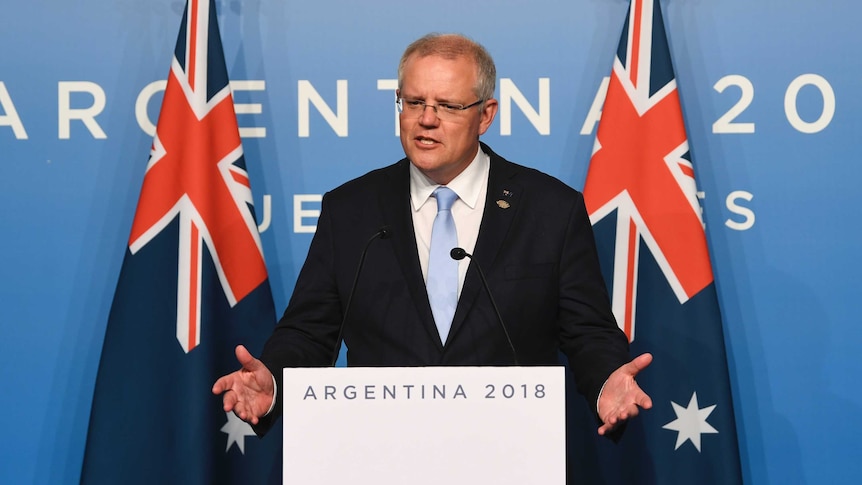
x,y
442,282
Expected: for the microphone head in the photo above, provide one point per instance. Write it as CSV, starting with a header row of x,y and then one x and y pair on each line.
x,y
457,254
385,232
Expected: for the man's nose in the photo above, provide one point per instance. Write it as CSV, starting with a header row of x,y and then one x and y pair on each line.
x,y
429,115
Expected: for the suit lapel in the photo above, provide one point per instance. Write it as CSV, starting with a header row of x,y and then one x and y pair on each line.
x,y
501,207
394,200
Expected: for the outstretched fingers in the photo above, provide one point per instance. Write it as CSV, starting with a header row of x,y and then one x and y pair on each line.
x,y
248,391
622,398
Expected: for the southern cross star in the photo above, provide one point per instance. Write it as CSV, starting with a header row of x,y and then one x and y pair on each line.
x,y
690,422
236,430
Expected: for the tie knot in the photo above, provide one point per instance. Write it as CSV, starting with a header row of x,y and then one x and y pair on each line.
x,y
445,198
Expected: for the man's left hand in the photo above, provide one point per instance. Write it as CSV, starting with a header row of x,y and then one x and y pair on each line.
x,y
622,398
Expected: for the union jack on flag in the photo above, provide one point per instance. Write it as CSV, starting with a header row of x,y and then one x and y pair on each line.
x,y
641,195
197,172
192,286
641,168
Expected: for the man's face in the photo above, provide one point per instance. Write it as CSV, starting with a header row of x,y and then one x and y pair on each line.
x,y
442,149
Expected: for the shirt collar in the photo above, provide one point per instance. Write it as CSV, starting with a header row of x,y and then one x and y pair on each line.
x,y
468,184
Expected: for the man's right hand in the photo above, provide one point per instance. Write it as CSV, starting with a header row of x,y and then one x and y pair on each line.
x,y
249,391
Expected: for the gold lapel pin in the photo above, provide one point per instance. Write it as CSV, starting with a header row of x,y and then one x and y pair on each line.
x,y
503,204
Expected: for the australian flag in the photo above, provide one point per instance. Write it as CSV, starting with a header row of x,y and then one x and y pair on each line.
x,y
193,285
642,199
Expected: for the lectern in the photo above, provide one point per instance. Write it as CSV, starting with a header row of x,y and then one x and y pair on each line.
x,y
424,425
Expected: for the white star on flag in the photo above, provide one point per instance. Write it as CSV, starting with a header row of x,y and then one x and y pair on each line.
x,y
690,422
236,430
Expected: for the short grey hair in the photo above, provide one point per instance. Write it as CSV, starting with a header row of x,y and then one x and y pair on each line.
x,y
453,46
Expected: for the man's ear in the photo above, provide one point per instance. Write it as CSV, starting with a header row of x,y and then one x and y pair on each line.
x,y
489,112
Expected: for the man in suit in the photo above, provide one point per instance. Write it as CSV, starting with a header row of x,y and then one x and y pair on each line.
x,y
529,232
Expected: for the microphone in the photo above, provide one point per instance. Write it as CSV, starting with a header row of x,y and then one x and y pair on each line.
x,y
458,254
383,233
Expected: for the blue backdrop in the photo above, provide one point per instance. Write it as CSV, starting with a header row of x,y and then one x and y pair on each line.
x,y
771,94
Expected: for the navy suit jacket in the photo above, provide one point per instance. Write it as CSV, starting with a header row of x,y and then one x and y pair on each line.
x,y
536,248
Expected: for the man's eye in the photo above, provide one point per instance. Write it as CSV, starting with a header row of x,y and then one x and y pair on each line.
x,y
414,103
449,107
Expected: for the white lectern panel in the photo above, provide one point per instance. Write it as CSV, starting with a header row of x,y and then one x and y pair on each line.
x,y
424,425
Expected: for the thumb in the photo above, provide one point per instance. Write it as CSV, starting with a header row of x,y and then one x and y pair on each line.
x,y
245,358
639,363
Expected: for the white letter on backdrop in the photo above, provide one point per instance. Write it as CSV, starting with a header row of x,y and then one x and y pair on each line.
x,y
541,120
87,115
11,117
307,94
